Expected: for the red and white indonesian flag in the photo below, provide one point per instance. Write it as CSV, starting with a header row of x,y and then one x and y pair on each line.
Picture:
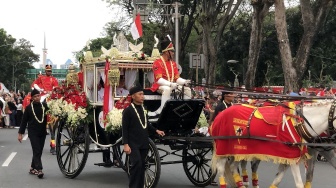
x,y
108,95
136,28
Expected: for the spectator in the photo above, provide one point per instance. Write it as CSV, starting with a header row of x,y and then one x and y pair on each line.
x,y
19,113
12,107
329,92
320,91
292,93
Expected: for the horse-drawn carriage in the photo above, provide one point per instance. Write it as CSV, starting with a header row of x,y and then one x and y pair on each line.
x,y
178,119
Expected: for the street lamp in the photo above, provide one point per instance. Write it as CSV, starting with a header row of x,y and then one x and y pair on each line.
x,y
236,81
232,61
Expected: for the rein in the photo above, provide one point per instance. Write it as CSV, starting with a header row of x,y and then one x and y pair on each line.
x,y
212,138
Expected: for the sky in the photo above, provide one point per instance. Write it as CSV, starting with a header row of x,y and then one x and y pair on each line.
x,y
67,24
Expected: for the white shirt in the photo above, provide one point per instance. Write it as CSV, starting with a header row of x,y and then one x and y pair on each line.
x,y
122,92
19,107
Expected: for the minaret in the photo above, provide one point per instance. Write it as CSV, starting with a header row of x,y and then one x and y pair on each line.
x,y
45,51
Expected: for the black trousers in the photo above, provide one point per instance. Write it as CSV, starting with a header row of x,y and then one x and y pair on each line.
x,y
37,144
137,171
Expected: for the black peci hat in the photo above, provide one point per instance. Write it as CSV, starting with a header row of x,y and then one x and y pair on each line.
x,y
34,92
135,89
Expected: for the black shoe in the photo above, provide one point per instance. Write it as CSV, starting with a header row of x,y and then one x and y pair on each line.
x,y
53,151
40,174
108,163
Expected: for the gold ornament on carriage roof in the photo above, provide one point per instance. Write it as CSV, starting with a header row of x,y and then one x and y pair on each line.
x,y
114,73
72,76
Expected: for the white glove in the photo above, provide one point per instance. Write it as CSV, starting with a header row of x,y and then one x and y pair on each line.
x,y
173,85
181,81
38,88
163,82
187,82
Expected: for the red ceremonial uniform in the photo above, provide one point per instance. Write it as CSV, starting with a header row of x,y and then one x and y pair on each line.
x,y
165,72
26,101
47,83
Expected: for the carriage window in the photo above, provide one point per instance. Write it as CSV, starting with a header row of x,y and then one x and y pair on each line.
x,y
120,90
100,80
148,79
89,82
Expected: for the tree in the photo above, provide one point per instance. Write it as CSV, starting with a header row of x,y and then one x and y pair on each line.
x,y
313,16
214,17
15,58
260,11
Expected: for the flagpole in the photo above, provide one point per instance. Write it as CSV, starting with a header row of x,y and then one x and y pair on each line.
x,y
177,4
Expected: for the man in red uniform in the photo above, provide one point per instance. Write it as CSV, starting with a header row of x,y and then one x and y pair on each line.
x,y
166,75
45,84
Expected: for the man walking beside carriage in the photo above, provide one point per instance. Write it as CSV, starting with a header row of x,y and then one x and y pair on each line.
x,y
135,136
45,84
35,117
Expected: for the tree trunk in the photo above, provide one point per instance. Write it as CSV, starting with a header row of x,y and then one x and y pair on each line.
x,y
214,17
209,52
290,75
311,25
260,11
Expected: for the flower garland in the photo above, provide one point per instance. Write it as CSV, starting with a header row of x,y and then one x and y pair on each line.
x,y
144,111
35,114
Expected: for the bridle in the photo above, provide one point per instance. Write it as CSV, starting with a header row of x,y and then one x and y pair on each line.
x,y
303,131
331,118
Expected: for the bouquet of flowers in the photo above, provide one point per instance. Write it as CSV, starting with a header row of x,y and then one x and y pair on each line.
x,y
70,103
202,121
114,120
56,107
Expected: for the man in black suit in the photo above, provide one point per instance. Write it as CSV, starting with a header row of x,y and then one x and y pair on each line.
x,y
224,103
35,117
135,136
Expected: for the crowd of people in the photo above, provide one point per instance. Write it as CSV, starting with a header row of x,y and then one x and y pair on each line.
x,y
13,110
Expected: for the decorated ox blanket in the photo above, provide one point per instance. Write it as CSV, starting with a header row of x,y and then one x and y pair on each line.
x,y
275,123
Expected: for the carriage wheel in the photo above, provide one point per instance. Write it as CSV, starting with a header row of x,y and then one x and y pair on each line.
x,y
153,166
197,166
121,157
153,163
72,149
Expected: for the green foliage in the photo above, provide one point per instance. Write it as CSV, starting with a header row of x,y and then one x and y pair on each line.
x,y
16,56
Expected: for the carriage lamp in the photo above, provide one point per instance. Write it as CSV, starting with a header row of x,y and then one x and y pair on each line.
x,y
114,74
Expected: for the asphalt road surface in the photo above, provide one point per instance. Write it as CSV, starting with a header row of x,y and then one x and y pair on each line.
x,y
15,161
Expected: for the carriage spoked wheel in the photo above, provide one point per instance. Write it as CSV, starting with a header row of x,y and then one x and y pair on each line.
x,y
197,164
121,156
153,166
152,163
72,148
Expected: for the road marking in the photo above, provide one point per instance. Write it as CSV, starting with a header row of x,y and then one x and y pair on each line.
x,y
25,137
9,159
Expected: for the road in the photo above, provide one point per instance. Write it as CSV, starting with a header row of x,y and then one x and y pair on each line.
x,y
15,162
